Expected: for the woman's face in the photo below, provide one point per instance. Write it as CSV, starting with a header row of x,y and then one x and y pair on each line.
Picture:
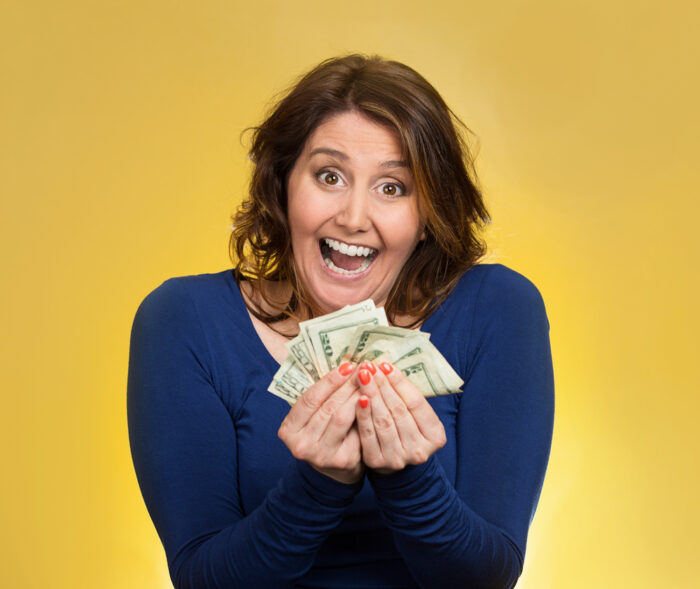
x,y
353,211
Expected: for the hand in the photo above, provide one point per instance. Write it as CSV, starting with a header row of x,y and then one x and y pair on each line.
x,y
397,426
320,429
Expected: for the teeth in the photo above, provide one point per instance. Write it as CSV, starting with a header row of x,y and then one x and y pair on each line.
x,y
349,250
365,263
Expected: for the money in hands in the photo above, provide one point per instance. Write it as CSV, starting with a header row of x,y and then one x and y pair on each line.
x,y
354,334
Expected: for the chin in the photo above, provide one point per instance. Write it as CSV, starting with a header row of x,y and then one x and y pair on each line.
x,y
334,298
333,303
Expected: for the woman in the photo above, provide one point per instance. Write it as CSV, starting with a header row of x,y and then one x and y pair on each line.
x,y
361,189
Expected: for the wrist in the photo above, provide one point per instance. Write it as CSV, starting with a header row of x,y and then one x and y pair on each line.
x,y
346,477
395,479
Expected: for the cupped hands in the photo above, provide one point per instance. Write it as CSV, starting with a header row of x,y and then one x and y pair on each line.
x,y
397,426
320,428
364,416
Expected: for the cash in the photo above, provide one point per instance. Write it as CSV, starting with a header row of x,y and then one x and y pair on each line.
x,y
354,334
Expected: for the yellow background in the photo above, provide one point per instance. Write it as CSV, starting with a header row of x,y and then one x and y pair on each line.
x,y
121,163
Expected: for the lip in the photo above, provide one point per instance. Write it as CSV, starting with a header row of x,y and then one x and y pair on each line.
x,y
346,277
376,249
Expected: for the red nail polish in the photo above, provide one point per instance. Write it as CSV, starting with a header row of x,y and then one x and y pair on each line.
x,y
367,365
363,403
345,368
385,367
365,376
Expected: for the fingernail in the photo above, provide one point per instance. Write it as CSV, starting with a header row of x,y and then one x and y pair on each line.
x,y
365,376
385,367
345,368
363,402
367,365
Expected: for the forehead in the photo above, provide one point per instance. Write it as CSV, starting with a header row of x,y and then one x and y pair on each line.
x,y
355,134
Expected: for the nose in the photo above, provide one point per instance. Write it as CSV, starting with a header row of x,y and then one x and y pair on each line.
x,y
354,211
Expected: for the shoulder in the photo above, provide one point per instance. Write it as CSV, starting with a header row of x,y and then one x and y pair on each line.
x,y
491,302
494,299
182,300
194,286
497,279
504,302
184,290
497,289
490,288
508,326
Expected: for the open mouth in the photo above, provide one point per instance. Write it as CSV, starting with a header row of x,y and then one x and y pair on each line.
x,y
344,258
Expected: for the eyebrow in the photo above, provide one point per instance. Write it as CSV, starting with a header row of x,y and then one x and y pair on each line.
x,y
332,152
343,156
394,164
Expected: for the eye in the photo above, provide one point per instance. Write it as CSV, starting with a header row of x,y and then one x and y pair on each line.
x,y
392,189
329,178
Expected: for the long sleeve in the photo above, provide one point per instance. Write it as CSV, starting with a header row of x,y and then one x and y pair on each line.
x,y
473,534
183,443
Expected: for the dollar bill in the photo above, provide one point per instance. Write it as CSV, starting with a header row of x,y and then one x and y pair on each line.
x,y
412,346
448,375
278,389
394,350
421,372
367,341
357,333
290,381
332,339
346,312
298,349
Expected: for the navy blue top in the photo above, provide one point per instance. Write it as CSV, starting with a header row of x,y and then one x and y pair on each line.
x,y
233,508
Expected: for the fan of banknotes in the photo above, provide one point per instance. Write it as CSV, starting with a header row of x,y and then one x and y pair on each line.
x,y
357,333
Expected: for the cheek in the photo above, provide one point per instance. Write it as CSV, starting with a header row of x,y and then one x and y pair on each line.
x,y
297,212
299,229
403,230
305,215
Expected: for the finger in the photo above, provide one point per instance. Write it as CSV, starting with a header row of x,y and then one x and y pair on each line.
x,y
371,452
423,414
314,397
352,441
349,451
346,464
407,428
330,413
384,425
339,423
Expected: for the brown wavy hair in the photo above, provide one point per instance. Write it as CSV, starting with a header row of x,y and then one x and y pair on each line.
x,y
451,204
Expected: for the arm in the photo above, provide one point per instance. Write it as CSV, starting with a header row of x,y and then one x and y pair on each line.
x,y
183,444
474,534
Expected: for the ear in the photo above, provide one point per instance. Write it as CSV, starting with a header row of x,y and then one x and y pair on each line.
x,y
423,234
